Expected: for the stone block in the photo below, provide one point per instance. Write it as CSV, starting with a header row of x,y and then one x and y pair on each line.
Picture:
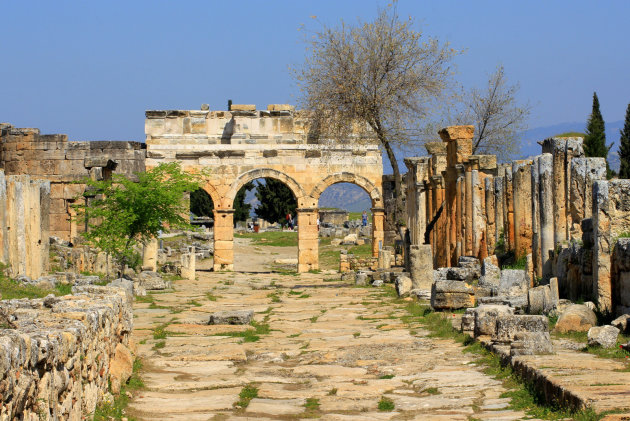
x,y
361,279
513,282
486,317
452,295
403,285
603,336
576,318
507,327
460,274
490,273
539,300
421,266
232,317
531,343
622,323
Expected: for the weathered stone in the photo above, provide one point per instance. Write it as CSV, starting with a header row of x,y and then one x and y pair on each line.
x,y
120,367
452,295
576,318
150,280
361,279
486,317
468,321
531,343
622,323
350,240
377,283
460,274
509,326
421,294
539,300
349,276
232,317
421,266
124,284
403,285
490,273
604,336
440,274
513,282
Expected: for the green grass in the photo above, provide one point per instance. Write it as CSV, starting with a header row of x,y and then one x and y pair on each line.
x,y
11,289
386,376
248,393
432,391
249,335
194,303
571,134
272,238
518,264
386,404
212,297
275,297
106,411
332,392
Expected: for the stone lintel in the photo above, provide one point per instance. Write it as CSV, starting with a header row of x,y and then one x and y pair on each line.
x,y
435,148
452,133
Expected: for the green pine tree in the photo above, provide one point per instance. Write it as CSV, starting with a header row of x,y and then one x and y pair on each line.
x,y
276,200
624,147
595,140
201,203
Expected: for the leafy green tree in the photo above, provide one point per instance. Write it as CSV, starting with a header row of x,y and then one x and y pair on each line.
x,y
595,140
276,200
624,147
126,213
201,203
241,209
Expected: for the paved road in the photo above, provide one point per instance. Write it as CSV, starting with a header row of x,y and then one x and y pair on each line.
x,y
344,348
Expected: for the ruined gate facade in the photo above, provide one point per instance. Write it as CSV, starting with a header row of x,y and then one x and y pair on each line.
x,y
243,144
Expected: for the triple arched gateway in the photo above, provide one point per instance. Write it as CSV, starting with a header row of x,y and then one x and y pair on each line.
x,y
244,144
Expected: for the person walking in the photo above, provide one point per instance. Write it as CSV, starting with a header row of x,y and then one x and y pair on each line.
x,y
364,219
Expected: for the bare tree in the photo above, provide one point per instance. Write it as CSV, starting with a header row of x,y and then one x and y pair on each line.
x,y
497,116
381,76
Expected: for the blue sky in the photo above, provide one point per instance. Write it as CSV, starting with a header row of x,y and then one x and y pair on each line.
x,y
90,69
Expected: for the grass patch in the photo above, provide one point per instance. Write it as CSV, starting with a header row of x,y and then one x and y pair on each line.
x,y
210,296
272,238
116,409
248,393
275,297
332,392
432,391
314,319
386,376
194,303
159,345
386,404
12,289
249,335
356,334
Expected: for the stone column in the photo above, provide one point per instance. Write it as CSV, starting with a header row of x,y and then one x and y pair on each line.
x,y
477,215
468,210
545,175
149,255
509,210
522,188
378,233
499,202
223,239
308,239
4,240
189,264
491,226
536,257
602,249
584,171
460,242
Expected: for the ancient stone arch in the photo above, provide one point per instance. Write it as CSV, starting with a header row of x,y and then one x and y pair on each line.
x,y
243,144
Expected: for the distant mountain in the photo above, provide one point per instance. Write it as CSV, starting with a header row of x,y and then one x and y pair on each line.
x,y
345,196
530,147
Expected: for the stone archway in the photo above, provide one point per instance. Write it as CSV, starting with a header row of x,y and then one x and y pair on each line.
x,y
244,144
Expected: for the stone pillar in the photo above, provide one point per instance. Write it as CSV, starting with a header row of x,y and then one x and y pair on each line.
x,y
468,210
223,239
4,239
491,226
477,215
460,242
499,202
378,234
522,188
545,179
509,210
417,173
149,255
189,264
308,239
536,257
584,171
421,266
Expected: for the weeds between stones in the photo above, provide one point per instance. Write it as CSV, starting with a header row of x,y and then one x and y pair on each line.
x,y
248,393
386,404
116,408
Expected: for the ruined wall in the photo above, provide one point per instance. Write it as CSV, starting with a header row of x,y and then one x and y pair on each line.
x,y
24,225
60,353
620,276
24,151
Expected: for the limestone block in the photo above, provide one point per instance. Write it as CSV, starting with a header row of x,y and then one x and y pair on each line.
x,y
576,318
232,317
622,323
421,266
150,280
452,295
120,367
513,282
456,132
403,285
361,279
604,336
468,321
509,326
539,300
531,343
486,317
490,273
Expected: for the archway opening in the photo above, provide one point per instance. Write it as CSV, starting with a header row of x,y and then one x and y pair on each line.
x,y
265,237
201,208
345,219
